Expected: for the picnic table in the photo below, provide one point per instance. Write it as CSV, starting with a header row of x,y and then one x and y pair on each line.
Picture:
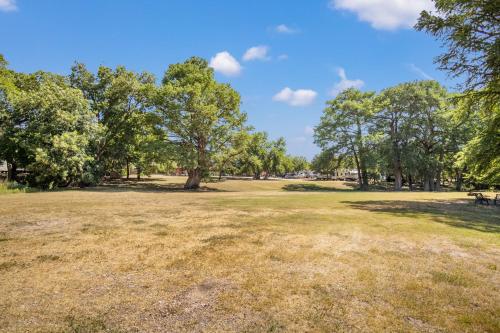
x,y
482,199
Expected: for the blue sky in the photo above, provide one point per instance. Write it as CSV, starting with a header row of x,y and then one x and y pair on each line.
x,y
286,58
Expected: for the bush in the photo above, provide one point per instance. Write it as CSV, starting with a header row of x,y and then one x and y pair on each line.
x,y
61,164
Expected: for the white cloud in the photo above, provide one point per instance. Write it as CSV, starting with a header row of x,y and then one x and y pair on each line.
x,y
385,14
345,83
282,57
226,64
8,5
299,97
309,130
256,53
420,72
284,29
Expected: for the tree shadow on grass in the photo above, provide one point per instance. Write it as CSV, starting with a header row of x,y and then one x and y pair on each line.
x,y
312,188
456,213
147,185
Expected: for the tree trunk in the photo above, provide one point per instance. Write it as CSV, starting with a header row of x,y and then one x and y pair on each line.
x,y
11,172
358,169
128,169
437,187
364,173
257,175
428,180
220,175
398,175
194,179
459,180
139,173
410,182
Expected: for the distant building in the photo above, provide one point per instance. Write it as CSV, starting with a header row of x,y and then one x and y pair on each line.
x,y
345,174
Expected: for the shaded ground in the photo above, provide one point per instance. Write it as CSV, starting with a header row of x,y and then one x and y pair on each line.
x,y
247,256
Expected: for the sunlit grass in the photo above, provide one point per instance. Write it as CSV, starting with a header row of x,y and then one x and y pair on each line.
x,y
247,256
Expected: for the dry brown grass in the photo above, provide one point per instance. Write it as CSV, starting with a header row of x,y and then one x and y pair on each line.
x,y
247,256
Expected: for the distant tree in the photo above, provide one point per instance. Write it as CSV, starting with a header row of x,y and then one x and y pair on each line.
x,y
275,159
298,163
326,162
201,116
227,159
253,159
344,126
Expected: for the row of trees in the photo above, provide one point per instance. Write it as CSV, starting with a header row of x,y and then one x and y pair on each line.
x,y
409,132
80,128
417,131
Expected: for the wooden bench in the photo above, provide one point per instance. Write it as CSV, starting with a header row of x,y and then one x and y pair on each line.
x,y
480,199
496,201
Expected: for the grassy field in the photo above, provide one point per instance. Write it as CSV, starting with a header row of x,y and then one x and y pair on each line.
x,y
247,256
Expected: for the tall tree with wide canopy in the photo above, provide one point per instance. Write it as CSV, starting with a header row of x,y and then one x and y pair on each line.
x,y
121,102
201,116
344,126
45,128
470,32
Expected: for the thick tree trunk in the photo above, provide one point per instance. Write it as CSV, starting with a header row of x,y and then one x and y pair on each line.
x,y
428,183
398,175
139,171
410,182
11,172
220,175
194,179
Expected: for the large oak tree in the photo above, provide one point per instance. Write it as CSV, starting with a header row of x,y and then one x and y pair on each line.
x,y
201,116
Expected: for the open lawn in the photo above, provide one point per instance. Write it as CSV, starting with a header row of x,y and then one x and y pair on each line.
x,y
247,256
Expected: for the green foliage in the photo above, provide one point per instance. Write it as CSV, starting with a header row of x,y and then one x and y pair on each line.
x,y
298,163
201,116
252,161
480,157
61,162
410,132
129,129
326,162
45,128
470,30
344,126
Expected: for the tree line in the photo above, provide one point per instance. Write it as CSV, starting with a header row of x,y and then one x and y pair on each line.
x,y
80,128
417,132
410,132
